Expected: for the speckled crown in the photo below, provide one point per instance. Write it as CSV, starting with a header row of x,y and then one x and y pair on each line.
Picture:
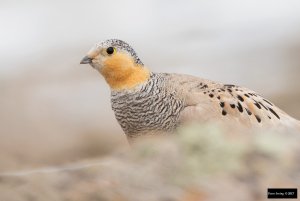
x,y
121,45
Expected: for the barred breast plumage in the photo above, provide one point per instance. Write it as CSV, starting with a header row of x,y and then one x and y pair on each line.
x,y
148,107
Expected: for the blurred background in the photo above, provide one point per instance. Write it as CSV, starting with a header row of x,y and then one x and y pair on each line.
x,y
54,111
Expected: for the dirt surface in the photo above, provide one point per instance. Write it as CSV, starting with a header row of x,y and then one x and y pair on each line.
x,y
197,163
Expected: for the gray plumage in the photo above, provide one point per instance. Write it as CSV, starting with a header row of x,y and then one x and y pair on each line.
x,y
148,107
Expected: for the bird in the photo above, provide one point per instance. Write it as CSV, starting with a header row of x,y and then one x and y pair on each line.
x,y
145,102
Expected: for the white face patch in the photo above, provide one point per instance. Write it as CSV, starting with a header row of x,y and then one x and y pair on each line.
x,y
98,62
97,56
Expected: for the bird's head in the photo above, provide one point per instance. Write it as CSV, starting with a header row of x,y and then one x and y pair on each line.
x,y
118,63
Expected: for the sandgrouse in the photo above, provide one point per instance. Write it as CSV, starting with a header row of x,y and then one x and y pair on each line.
x,y
147,102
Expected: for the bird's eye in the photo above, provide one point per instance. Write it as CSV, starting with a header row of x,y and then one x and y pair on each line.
x,y
110,50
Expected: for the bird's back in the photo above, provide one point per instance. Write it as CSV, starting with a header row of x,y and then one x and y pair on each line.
x,y
205,100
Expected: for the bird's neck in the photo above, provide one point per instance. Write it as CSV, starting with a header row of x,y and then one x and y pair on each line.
x,y
121,72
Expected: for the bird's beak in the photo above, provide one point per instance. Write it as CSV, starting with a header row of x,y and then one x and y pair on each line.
x,y
86,60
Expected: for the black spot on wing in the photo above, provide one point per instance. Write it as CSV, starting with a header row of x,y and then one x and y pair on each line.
x,y
268,102
263,106
239,107
199,85
240,98
229,85
248,111
257,105
273,112
252,94
258,118
204,86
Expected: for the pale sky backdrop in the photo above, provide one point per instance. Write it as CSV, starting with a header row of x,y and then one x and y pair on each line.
x,y
231,41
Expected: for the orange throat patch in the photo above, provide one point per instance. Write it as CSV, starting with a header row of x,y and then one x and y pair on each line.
x,y
121,72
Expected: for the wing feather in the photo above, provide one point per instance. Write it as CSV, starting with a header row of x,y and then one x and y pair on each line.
x,y
206,100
